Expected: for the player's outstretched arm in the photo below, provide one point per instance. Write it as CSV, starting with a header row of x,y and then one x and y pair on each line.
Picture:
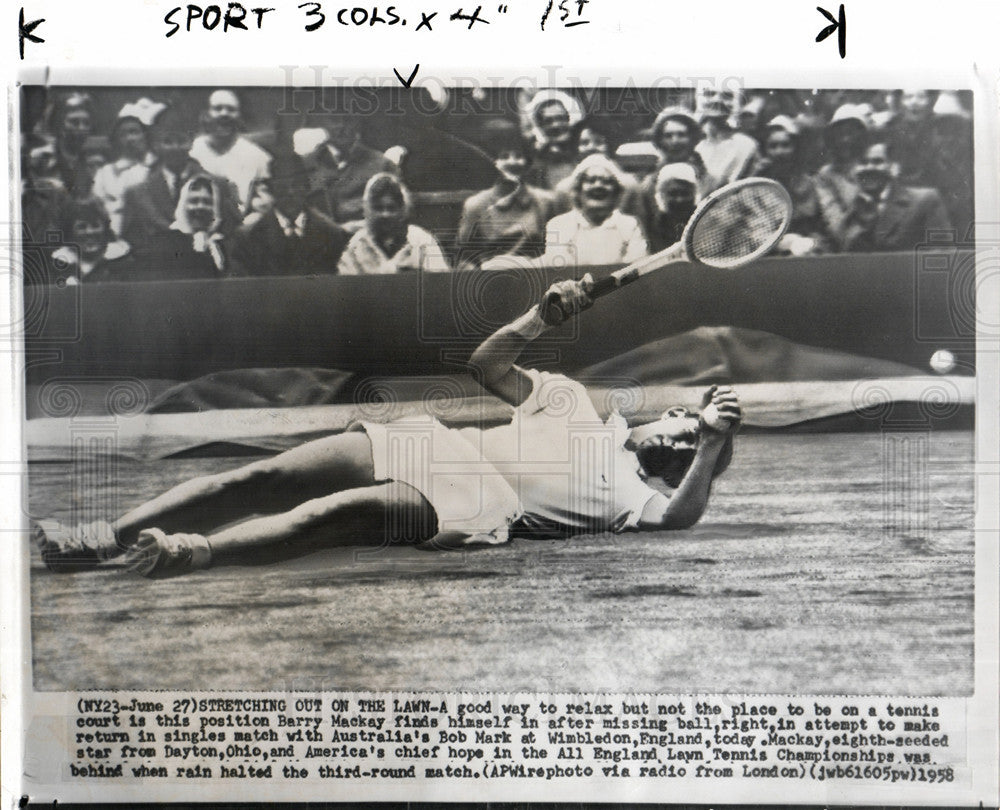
x,y
720,418
493,363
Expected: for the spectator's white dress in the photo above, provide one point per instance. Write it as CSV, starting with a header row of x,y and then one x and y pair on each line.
x,y
572,239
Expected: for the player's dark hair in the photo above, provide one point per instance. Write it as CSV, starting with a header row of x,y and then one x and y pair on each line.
x,y
671,463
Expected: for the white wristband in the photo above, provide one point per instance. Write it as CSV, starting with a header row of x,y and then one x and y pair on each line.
x,y
530,325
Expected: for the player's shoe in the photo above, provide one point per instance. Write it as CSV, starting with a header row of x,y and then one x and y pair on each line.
x,y
158,555
83,548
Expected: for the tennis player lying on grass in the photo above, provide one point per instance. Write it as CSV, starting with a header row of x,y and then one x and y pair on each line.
x,y
555,470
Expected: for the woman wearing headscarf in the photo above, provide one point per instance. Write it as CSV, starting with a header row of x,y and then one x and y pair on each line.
x,y
388,242
553,118
595,232
130,142
194,246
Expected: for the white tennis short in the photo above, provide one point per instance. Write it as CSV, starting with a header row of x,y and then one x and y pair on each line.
x,y
469,496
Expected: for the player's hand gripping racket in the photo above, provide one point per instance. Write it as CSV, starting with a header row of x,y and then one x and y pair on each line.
x,y
730,228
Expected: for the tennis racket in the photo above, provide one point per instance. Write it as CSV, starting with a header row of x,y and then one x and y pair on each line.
x,y
731,227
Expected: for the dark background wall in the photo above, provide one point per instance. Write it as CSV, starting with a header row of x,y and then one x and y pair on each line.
x,y
894,306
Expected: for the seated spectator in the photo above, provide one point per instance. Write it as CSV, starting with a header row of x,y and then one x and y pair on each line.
x,y
293,238
728,155
595,232
44,201
748,119
509,218
388,243
71,123
675,134
553,116
909,135
96,154
887,215
130,144
845,137
807,229
340,168
592,138
223,151
149,208
950,165
261,202
90,254
193,247
675,196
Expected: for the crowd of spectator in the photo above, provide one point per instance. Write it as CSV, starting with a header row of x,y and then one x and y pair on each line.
x,y
163,196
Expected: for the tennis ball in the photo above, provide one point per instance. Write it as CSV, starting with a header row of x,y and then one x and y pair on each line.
x,y
942,361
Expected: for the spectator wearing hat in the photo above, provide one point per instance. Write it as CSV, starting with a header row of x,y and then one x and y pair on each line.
x,y
553,119
149,208
388,242
223,151
132,158
886,214
509,218
674,135
675,196
340,168
807,229
845,139
595,232
950,165
728,155
90,254
294,238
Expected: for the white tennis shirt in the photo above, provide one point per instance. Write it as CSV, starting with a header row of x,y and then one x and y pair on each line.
x,y
556,461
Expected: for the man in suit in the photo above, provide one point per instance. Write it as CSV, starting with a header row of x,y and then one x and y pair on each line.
x,y
150,208
340,169
887,215
294,238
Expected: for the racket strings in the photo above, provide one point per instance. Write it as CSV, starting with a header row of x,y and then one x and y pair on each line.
x,y
740,225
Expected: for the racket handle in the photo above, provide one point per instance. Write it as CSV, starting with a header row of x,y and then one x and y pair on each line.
x,y
551,312
603,286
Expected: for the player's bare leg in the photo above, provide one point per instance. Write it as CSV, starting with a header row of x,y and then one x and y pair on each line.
x,y
333,463
376,515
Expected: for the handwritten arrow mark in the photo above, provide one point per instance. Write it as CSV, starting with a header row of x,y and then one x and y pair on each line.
x,y
24,30
407,82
